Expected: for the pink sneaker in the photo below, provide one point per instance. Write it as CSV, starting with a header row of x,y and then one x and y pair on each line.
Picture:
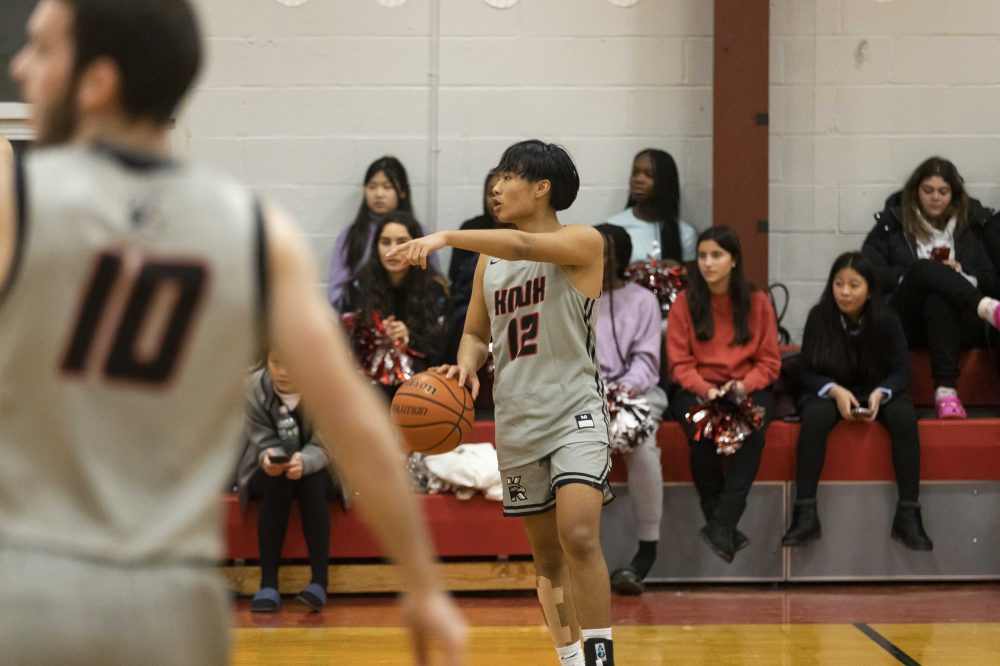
x,y
949,407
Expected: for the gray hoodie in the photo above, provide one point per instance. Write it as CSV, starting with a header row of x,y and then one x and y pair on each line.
x,y
261,416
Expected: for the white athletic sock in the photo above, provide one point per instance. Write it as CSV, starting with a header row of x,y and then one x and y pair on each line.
x,y
987,309
604,633
945,391
571,655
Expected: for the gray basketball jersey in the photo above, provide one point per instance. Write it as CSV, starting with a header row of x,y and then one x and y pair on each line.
x,y
126,328
547,387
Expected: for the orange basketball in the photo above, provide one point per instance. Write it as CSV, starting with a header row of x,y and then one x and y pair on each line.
x,y
432,413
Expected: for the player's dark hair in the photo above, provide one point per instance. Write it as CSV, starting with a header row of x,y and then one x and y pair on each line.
x,y
617,251
423,317
831,349
536,160
155,44
666,202
357,233
700,298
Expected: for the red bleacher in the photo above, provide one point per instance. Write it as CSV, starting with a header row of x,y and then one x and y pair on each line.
x,y
950,451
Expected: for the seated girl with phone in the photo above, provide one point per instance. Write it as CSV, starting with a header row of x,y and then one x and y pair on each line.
x,y
856,367
284,460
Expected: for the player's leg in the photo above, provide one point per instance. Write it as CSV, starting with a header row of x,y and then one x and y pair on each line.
x,y
579,474
528,494
554,587
578,514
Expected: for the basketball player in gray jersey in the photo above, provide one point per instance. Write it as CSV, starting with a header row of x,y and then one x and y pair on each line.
x,y
535,294
134,291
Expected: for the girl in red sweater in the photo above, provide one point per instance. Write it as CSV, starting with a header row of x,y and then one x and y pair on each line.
x,y
721,335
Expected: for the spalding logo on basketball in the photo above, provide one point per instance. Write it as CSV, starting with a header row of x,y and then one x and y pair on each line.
x,y
432,413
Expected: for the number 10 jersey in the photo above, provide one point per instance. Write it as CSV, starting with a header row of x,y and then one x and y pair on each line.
x,y
547,387
131,314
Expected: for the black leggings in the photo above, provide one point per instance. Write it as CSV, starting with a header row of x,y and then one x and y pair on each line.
x,y
820,415
723,493
313,492
937,306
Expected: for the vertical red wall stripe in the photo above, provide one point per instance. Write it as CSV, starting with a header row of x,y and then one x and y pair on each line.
x,y
740,134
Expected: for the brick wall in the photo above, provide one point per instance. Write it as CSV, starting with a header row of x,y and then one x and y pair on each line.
x,y
297,102
862,91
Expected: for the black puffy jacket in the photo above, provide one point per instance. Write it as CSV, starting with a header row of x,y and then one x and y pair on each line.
x,y
892,251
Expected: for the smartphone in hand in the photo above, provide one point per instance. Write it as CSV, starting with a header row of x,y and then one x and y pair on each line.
x,y
855,411
278,456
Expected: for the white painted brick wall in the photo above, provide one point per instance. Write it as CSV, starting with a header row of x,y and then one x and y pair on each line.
x,y
861,93
297,102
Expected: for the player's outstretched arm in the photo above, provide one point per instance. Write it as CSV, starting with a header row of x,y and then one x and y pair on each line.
x,y
8,208
354,423
571,245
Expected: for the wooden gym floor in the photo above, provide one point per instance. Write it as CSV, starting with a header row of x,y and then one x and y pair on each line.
x,y
855,625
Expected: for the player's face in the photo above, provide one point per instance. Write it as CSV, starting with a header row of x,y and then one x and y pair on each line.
x,y
44,71
934,196
643,178
489,197
514,197
279,375
715,264
393,235
850,291
380,194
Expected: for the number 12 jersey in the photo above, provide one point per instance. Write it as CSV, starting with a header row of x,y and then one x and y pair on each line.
x,y
547,387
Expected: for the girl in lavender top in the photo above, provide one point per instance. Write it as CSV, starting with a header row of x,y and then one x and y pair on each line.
x,y
387,189
628,351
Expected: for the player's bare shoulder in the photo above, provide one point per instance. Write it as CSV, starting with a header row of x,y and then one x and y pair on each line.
x,y
586,276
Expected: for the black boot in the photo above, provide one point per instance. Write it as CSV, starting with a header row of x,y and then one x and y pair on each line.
x,y
720,538
805,524
908,527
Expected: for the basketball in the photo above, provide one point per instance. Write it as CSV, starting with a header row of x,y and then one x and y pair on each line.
x,y
432,413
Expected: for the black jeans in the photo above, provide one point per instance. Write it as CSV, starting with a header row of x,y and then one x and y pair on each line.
x,y
938,309
314,493
723,492
820,415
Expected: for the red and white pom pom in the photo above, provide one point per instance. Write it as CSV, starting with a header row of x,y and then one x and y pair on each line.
x,y
631,419
726,421
664,281
379,358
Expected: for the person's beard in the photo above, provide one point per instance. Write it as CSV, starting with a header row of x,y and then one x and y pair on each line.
x,y
60,122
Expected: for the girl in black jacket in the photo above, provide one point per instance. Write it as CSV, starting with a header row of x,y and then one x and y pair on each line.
x,y
856,367
928,255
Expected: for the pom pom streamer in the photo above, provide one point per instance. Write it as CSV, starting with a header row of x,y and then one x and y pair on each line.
x,y
631,419
726,421
664,281
379,358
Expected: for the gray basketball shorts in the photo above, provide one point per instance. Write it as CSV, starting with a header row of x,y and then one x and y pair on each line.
x,y
531,488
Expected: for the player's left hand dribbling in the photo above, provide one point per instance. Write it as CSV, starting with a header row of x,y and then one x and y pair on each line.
x,y
467,378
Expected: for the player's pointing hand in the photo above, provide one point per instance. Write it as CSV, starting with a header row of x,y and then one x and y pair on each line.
x,y
417,250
